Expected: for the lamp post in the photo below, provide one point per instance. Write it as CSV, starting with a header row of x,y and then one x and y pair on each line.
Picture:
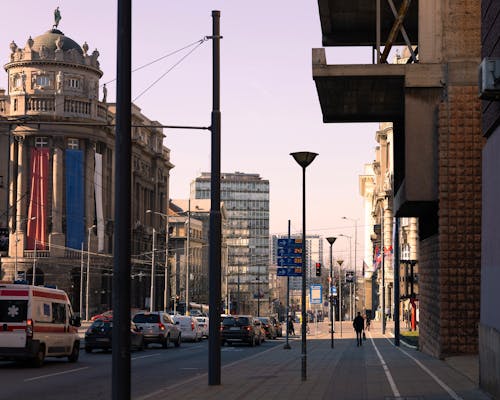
x,y
355,254
165,286
188,248
152,287
340,262
351,311
88,274
17,240
304,158
331,240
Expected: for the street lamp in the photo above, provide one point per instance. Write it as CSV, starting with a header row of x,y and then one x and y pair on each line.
x,y
355,254
188,248
88,274
331,240
165,287
351,310
340,262
304,158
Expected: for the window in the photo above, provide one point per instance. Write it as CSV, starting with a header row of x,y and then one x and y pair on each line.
x,y
41,141
73,143
13,310
58,313
43,80
74,83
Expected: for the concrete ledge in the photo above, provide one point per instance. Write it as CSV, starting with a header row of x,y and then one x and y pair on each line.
x,y
489,360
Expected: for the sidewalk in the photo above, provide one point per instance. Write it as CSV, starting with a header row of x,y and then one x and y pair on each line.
x,y
346,372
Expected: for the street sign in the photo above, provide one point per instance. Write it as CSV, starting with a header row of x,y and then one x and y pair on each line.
x,y
315,294
333,291
289,257
349,276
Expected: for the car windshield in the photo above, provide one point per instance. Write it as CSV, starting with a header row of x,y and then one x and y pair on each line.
x,y
264,320
13,310
242,321
146,318
229,321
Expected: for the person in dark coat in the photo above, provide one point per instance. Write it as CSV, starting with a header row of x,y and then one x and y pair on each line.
x,y
359,325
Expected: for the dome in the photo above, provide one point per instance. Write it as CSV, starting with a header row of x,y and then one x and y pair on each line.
x,y
49,38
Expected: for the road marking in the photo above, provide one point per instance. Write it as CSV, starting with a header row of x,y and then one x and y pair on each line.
x,y
388,374
54,374
448,389
189,368
149,355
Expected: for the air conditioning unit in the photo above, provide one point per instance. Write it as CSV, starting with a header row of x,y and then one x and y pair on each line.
x,y
489,79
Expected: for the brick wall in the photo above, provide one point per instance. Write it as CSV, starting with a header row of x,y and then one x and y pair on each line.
x,y
460,143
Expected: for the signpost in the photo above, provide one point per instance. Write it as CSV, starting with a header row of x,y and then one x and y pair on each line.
x,y
315,294
289,257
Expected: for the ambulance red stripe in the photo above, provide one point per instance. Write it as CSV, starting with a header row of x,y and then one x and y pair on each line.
x,y
14,292
58,296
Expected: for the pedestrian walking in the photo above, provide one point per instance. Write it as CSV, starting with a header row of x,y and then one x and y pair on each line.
x,y
359,324
368,322
291,329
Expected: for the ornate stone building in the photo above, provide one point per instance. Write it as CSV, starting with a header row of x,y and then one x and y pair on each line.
x,y
57,201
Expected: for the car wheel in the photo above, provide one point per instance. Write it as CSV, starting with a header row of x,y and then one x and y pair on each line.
x,y
166,342
252,342
75,352
37,362
88,349
178,341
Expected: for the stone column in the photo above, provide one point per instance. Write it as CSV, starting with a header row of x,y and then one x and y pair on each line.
x,y
22,196
56,236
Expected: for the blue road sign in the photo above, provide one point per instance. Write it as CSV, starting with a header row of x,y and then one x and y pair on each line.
x,y
333,290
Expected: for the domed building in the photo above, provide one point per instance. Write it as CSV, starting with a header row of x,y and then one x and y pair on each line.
x,y
57,172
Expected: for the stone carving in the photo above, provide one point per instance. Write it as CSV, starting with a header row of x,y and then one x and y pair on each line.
x,y
93,61
85,48
23,81
59,82
59,43
104,93
13,47
44,52
29,43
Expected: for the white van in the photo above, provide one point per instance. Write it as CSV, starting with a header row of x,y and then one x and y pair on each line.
x,y
37,322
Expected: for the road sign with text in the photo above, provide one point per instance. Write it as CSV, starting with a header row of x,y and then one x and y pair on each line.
x,y
289,257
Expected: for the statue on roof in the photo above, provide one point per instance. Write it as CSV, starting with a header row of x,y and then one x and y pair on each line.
x,y
57,17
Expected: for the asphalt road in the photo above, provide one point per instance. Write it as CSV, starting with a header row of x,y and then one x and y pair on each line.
x,y
153,369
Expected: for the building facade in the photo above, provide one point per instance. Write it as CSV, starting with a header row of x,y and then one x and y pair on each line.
x,y
489,325
434,108
58,173
246,200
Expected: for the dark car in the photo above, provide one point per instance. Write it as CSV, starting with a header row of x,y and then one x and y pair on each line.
x,y
242,329
98,336
269,329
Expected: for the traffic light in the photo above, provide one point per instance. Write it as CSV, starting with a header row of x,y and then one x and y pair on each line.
x,y
318,269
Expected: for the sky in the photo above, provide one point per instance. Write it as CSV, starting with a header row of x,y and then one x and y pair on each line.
x,y
269,103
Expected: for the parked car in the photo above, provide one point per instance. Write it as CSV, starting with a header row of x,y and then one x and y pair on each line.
x,y
241,328
158,327
104,315
269,329
189,327
203,324
277,326
99,335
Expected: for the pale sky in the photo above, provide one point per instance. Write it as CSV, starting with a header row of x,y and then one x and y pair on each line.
x,y
269,102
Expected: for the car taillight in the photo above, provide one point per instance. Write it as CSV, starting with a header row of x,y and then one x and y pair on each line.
x,y
248,328
192,325
29,328
161,326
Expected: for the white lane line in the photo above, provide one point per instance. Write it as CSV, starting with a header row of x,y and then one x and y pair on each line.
x,y
388,374
55,374
149,355
448,389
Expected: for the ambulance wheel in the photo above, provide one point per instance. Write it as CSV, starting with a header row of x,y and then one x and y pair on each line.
x,y
75,352
37,362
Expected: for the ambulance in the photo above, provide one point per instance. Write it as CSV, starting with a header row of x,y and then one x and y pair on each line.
x,y
37,322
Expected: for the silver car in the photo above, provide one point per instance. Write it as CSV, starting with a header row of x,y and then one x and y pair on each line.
x,y
158,327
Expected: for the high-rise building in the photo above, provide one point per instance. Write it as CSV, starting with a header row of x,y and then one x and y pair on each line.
x,y
246,200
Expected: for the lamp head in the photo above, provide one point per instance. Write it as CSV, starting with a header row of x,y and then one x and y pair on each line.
x,y
304,158
331,240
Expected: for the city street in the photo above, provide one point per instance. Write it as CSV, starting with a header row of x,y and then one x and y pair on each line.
x,y
376,370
